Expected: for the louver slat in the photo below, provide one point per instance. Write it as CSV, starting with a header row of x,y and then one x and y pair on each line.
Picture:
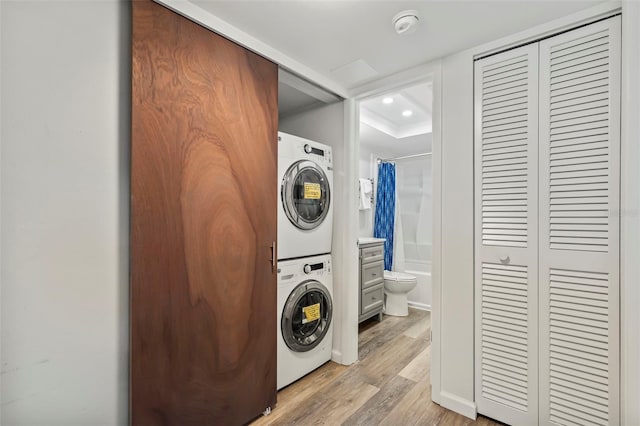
x,y
504,292
579,361
582,134
504,152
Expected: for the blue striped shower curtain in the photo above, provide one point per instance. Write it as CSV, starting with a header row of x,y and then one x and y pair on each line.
x,y
386,210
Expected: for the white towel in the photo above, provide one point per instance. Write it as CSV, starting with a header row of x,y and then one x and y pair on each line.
x,y
366,191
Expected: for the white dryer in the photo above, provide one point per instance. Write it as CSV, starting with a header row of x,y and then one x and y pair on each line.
x,y
305,208
305,313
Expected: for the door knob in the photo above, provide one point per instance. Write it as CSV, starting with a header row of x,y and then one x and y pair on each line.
x,y
505,260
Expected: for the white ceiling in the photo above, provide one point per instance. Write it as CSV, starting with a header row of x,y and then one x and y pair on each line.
x,y
385,131
353,42
380,143
292,101
389,118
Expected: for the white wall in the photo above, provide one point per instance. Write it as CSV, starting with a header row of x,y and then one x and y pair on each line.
x,y
368,169
1,267
415,206
327,125
65,190
456,251
630,215
415,219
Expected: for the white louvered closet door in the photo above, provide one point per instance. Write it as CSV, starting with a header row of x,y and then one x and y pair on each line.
x,y
579,225
506,127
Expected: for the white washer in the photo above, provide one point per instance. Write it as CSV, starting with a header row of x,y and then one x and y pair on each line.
x,y
305,187
305,316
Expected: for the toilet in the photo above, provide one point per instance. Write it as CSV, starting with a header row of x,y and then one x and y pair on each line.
x,y
396,287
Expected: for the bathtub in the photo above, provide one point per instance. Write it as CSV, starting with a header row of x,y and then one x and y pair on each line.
x,y
420,297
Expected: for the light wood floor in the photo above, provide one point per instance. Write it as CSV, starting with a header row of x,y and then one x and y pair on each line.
x,y
389,385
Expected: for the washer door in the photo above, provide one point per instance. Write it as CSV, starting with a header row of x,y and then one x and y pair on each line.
x,y
306,316
305,194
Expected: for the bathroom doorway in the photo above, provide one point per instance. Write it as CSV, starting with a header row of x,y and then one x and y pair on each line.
x,y
395,138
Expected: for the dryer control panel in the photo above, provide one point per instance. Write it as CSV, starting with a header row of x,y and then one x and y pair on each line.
x,y
322,153
295,148
305,268
310,267
316,267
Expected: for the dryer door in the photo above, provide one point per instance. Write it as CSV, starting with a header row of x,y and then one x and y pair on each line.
x,y
306,316
305,194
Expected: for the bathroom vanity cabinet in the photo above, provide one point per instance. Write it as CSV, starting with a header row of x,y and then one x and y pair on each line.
x,y
371,280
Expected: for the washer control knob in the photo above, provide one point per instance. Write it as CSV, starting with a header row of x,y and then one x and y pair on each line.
x,y
307,148
306,268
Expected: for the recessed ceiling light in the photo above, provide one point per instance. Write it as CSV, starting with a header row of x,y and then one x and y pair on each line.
x,y
407,113
387,101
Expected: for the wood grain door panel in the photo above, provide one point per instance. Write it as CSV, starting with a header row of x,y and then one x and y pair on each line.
x,y
203,218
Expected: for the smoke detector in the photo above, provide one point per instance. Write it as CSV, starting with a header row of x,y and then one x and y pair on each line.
x,y
406,22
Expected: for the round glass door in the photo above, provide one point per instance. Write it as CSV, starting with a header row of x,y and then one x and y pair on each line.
x,y
306,316
305,194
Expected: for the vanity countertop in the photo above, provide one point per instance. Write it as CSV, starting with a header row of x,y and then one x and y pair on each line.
x,y
370,240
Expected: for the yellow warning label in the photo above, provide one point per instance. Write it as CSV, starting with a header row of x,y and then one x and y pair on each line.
x,y
311,313
311,191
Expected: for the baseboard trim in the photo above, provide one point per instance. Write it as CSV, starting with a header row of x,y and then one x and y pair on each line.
x,y
435,396
459,405
420,306
336,356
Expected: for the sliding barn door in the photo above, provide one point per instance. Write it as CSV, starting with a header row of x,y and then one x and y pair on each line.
x,y
506,138
203,221
579,225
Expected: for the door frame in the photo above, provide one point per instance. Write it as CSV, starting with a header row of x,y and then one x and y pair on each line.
x,y
432,72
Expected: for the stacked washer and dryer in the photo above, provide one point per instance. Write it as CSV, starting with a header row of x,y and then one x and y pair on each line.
x,y
305,285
